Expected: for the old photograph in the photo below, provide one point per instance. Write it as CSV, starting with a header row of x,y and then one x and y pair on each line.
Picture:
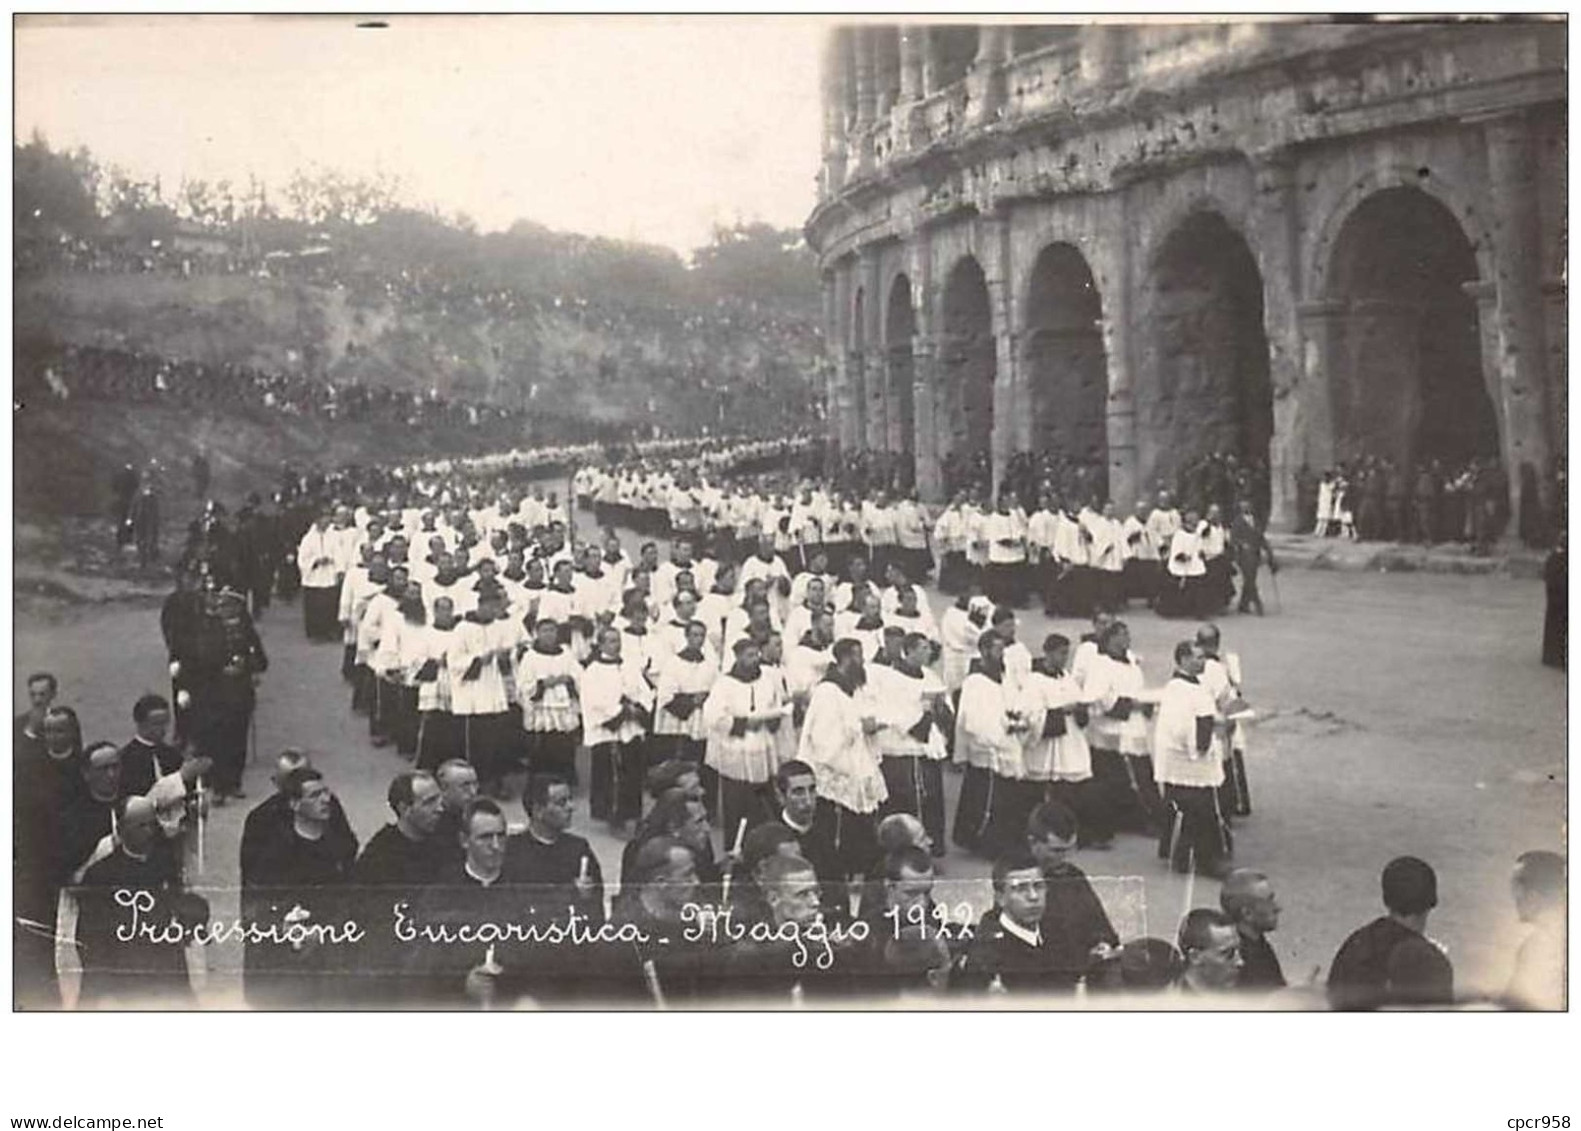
x,y
702,513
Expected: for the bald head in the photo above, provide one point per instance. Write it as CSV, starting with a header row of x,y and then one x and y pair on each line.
x,y
138,826
1248,898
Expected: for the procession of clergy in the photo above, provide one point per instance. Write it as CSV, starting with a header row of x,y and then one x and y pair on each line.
x,y
779,676
786,629
785,642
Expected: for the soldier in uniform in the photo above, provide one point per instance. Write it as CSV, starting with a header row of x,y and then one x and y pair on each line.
x,y
226,657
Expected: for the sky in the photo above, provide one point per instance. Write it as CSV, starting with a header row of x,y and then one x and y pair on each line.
x,y
650,128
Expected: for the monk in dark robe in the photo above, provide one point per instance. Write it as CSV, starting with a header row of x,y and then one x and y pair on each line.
x,y
137,885
556,866
1074,924
296,881
46,775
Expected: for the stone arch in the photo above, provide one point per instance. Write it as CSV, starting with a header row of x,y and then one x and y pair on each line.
x,y
967,363
1407,378
1205,357
900,326
1065,365
1316,252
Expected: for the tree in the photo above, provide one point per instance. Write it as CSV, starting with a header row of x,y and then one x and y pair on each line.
x,y
326,198
760,263
53,190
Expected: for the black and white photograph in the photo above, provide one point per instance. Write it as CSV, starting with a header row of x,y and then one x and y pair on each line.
x,y
692,513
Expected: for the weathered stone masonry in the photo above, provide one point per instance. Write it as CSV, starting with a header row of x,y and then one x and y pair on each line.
x,y
1298,241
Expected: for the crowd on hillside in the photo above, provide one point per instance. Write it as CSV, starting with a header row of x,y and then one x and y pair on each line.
x,y
61,373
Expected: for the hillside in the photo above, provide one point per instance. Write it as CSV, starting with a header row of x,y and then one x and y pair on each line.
x,y
632,369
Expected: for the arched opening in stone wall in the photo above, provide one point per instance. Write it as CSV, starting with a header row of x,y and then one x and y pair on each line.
x,y
1210,391
856,368
1408,381
899,327
1067,371
967,364
953,48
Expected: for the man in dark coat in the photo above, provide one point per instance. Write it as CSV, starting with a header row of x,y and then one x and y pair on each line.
x,y
1009,951
1391,961
141,970
295,886
1250,547
264,819
45,776
1556,614
227,656
148,757
257,552
1074,922
796,789
27,729
1248,898
89,813
403,854
558,869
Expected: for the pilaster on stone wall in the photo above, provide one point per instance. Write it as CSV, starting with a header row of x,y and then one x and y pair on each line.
x,y
924,361
1114,264
1277,218
995,259
1322,327
834,100
866,98
1517,269
986,80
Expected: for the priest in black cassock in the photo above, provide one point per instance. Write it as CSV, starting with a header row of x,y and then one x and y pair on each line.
x,y
405,853
148,757
556,866
88,816
1248,898
28,727
264,819
137,884
45,777
399,861
1074,921
1009,951
296,878
796,788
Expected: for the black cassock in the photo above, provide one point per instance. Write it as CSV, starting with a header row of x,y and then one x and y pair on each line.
x,y
42,788
288,871
1021,968
549,870
143,763
83,822
558,973
1074,920
392,868
140,970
